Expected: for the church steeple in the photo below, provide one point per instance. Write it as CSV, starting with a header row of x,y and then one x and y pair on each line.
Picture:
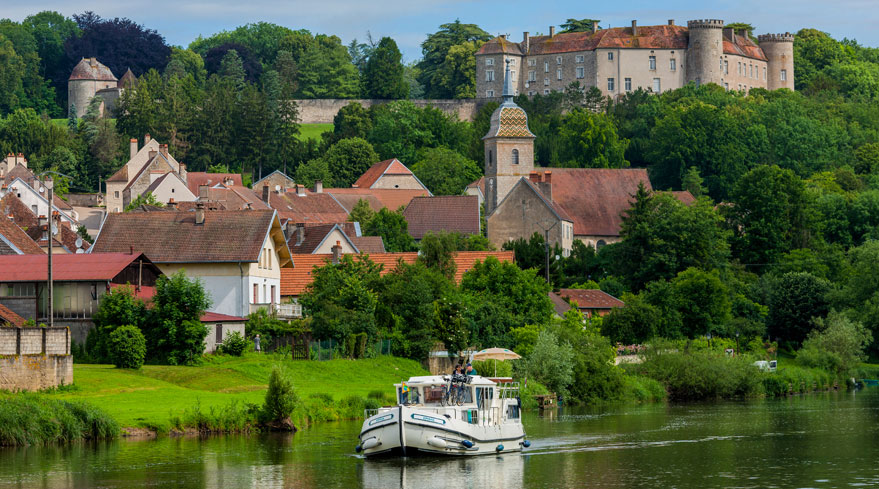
x,y
508,86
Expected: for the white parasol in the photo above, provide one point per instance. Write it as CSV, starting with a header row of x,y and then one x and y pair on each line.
x,y
496,354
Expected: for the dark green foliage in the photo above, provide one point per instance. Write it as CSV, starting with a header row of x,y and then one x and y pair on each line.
x,y
234,345
401,130
393,229
174,332
118,307
446,172
36,419
347,160
325,70
269,328
590,140
796,300
438,79
127,347
703,376
281,398
383,74
581,25
632,324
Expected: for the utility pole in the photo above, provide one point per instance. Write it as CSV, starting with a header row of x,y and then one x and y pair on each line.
x,y
546,249
50,307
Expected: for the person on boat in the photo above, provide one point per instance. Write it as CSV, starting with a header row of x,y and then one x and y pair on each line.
x,y
471,370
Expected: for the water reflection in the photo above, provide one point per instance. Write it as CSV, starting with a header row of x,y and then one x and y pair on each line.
x,y
484,471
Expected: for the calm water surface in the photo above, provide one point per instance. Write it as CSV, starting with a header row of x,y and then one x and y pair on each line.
x,y
819,441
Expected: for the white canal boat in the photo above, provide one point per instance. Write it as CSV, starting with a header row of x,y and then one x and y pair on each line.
x,y
446,415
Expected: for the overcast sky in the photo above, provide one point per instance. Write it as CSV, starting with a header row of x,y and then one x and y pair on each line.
x,y
408,21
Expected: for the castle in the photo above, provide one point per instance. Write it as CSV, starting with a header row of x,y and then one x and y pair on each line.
x,y
90,78
622,59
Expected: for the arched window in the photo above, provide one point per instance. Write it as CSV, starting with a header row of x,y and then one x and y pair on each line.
x,y
515,156
600,244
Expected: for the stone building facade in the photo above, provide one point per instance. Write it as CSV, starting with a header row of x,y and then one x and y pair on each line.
x,y
90,78
622,59
33,359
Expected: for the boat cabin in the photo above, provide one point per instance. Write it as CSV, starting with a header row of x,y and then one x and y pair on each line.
x,y
483,399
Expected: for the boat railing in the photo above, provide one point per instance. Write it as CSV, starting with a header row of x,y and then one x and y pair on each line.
x,y
368,413
509,390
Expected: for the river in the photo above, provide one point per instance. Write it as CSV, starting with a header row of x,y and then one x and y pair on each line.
x,y
821,441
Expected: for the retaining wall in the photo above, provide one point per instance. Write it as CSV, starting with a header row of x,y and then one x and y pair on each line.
x,y
35,358
322,111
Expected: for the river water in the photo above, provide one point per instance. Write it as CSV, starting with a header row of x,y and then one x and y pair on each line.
x,y
816,441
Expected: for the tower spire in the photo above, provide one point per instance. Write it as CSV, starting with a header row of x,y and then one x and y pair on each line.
x,y
508,85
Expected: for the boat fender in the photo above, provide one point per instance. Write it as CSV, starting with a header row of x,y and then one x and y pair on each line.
x,y
467,443
500,448
526,443
358,449
371,443
436,442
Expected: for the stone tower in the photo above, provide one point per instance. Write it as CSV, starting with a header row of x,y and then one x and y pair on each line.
x,y
779,50
89,77
509,148
705,51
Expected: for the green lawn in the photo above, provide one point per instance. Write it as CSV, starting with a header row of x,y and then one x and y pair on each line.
x,y
150,396
313,131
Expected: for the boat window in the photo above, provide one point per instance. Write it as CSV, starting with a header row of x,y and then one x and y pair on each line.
x,y
433,394
513,411
484,394
410,397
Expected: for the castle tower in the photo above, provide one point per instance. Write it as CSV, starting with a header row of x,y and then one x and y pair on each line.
x,y
779,50
509,148
89,76
705,51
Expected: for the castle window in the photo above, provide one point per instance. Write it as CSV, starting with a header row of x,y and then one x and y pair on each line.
x,y
726,67
489,158
610,56
532,62
581,72
579,58
726,86
489,93
558,73
558,60
532,76
546,91
721,64
628,84
546,82
600,244
740,67
515,156
546,66
610,85
115,194
656,85
531,93
751,70
489,75
783,75
651,62
672,64
764,73
513,75
489,62
512,62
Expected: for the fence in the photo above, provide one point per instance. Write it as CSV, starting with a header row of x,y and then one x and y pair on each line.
x,y
330,349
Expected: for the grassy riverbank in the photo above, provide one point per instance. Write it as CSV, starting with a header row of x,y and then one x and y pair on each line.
x,y
165,397
30,418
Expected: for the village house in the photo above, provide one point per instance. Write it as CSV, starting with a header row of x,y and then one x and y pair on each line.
x,y
237,255
389,174
320,239
79,283
65,239
447,213
14,241
591,302
299,205
144,166
275,180
219,327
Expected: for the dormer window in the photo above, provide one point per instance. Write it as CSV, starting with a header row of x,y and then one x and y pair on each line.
x,y
515,156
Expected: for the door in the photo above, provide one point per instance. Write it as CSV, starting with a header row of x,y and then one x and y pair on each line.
x,y
219,333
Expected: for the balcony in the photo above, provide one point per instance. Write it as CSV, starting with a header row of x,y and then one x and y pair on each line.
x,y
282,311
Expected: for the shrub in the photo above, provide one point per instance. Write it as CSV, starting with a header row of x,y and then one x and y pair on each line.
x,y
234,345
28,418
698,376
836,344
127,347
281,399
551,363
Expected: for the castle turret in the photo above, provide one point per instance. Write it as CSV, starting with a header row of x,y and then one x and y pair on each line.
x,y
705,51
509,148
89,76
779,50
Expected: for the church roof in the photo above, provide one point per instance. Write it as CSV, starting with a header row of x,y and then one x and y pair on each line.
x,y
92,69
509,122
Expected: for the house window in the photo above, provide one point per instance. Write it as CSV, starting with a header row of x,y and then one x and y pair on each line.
x,y
115,194
783,75
515,156
34,209
610,56
558,74
721,64
255,294
532,76
558,60
751,71
726,86
610,84
628,84
172,190
513,74
546,91
600,244
272,300
489,75
651,63
489,93
581,72
489,62
672,64
546,66
532,62
726,67
579,58
264,294
219,328
764,73
656,85
740,68
531,93
546,82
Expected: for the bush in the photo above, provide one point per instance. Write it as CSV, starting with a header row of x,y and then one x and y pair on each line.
x,y
701,376
127,347
234,345
836,344
281,399
551,363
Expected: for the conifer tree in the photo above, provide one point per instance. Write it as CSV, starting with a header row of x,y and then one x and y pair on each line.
x,y
383,75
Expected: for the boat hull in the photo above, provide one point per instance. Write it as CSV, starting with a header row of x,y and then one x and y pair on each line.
x,y
411,431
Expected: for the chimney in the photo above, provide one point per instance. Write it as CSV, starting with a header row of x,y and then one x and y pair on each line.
x,y
671,22
202,192
534,177
594,27
133,145
546,185
526,42
172,204
199,212
183,173
552,31
634,27
318,186
300,190
146,139
163,148
152,154
300,233
503,36
265,194
337,253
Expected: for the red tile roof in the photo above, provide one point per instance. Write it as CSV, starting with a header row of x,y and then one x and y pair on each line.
x,y
591,298
743,46
595,198
91,69
684,196
173,236
235,198
501,45
451,213
558,304
378,170
314,236
195,179
7,316
378,198
68,267
295,280
215,317
308,208
25,219
16,237
369,244
145,292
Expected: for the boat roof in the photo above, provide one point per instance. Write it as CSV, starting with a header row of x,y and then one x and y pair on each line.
x,y
438,380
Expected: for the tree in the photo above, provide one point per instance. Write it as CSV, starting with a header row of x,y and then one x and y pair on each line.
x,y
11,75
263,39
438,251
281,400
633,324
703,301
445,172
50,31
351,121
403,131
590,140
692,182
859,296
435,50
117,308
314,170
551,363
348,159
796,299
582,25
174,332
836,344
127,347
383,74
146,198
393,229
457,74
232,69
241,66
361,212
325,70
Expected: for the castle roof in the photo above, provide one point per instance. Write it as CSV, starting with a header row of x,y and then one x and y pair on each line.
x,y
91,69
127,80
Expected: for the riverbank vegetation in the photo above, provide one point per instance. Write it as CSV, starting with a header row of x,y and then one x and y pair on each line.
x,y
35,418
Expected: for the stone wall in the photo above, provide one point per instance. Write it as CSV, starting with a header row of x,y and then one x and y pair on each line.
x,y
35,358
322,111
